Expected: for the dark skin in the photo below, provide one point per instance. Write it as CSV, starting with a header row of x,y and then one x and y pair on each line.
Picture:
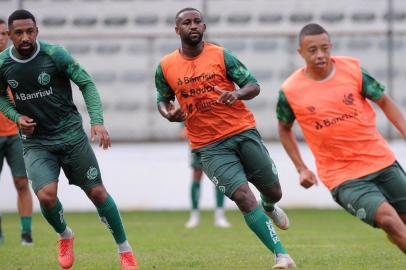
x,y
23,33
190,27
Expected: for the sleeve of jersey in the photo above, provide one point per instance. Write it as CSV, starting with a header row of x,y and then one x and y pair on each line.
x,y
6,106
85,83
284,112
371,88
163,90
236,71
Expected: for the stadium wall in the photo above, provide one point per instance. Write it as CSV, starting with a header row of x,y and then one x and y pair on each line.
x,y
120,44
156,176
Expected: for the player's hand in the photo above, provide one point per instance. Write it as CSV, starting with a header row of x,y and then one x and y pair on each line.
x,y
101,132
226,97
175,114
307,178
26,125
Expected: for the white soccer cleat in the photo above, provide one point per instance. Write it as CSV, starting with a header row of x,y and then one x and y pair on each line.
x,y
193,221
279,218
221,222
284,261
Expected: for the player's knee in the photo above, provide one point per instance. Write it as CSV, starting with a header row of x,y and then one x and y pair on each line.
x,y
97,195
388,224
21,184
47,200
245,200
273,194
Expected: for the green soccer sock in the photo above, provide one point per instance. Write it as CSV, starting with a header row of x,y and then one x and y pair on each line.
x,y
55,217
268,206
219,198
26,224
110,216
195,194
262,226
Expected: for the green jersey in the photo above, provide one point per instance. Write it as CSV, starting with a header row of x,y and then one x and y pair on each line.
x,y
371,89
41,90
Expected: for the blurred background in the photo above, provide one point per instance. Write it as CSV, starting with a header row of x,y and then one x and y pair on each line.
x,y
120,43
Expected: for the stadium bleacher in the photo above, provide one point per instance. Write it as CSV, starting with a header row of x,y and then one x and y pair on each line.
x,y
120,43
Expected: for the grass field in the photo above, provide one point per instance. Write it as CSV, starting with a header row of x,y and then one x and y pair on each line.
x,y
318,239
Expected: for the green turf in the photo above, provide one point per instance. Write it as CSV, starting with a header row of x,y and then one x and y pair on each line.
x,y
318,239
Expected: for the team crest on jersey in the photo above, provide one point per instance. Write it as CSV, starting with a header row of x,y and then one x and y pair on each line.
x,y
348,99
13,83
44,78
92,173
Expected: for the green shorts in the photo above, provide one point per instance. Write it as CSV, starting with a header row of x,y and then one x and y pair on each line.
x,y
76,159
234,161
361,197
11,149
196,161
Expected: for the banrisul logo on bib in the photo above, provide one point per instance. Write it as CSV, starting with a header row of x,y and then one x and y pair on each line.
x,y
13,83
44,78
92,173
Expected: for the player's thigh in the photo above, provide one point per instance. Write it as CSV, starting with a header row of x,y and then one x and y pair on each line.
x,y
392,182
42,166
258,165
14,156
360,198
80,165
222,166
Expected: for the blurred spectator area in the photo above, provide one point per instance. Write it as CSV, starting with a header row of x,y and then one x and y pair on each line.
x,y
120,43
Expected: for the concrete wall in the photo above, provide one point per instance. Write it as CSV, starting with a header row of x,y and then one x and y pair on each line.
x,y
157,176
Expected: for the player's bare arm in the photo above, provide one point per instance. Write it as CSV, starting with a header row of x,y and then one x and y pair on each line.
x,y
306,177
168,110
99,131
393,113
248,91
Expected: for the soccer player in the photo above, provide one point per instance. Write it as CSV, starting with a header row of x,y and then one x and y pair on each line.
x,y
39,75
329,99
220,219
220,128
11,150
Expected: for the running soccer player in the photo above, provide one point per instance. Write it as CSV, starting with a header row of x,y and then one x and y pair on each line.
x,y
11,150
220,219
329,99
220,128
39,75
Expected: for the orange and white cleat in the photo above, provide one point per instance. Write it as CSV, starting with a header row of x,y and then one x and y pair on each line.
x,y
127,261
66,256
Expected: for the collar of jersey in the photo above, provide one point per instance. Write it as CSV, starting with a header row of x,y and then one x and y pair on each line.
x,y
25,60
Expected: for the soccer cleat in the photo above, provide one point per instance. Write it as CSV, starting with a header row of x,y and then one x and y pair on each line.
x,y
279,218
221,222
193,221
1,239
26,239
283,261
127,261
65,253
